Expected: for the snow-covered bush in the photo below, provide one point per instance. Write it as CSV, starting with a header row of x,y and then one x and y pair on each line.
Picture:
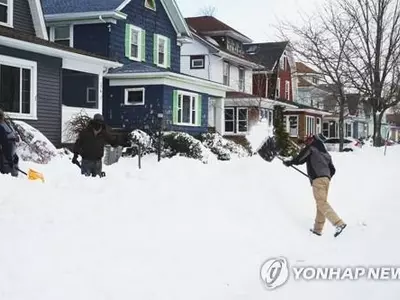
x,y
142,139
183,144
223,148
33,145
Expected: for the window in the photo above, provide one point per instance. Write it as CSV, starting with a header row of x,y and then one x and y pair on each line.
x,y
325,129
318,127
134,96
236,120
270,118
348,129
197,62
310,125
18,87
278,88
62,35
91,95
187,108
135,43
151,4
241,79
287,89
226,74
292,125
162,48
229,120
6,12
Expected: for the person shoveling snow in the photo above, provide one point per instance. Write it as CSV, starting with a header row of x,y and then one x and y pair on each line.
x,y
8,156
90,146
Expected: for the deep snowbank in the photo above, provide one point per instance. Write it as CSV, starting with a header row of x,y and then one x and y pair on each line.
x,y
180,229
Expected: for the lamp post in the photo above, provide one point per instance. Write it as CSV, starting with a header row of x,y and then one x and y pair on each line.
x,y
160,117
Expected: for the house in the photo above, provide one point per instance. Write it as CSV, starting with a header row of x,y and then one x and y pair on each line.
x,y
393,120
34,71
148,91
279,80
218,54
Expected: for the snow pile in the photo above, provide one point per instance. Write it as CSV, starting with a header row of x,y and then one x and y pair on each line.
x,y
223,148
183,144
142,138
258,134
33,145
180,229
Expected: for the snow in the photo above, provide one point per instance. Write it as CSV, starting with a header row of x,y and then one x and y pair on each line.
x,y
181,229
259,133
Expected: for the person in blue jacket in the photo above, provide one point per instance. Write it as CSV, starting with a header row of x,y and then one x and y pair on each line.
x,y
8,147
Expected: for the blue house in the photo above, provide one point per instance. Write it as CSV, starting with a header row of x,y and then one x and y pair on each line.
x,y
34,71
146,37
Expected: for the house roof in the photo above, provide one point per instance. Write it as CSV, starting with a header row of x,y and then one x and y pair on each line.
x,y
208,25
235,94
75,6
61,10
266,54
303,68
136,67
23,37
303,82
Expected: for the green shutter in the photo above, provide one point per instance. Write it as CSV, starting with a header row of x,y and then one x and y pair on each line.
x,y
155,49
143,45
168,53
175,107
198,112
128,37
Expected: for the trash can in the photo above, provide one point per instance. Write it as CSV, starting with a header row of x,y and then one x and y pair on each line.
x,y
112,154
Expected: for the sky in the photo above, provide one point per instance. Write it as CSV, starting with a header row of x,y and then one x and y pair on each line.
x,y
254,18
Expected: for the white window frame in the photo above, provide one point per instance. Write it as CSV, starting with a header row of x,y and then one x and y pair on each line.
x,y
165,39
52,36
233,120
242,86
228,75
278,87
139,45
192,66
194,98
287,89
32,66
143,90
88,89
237,120
10,14
270,118
310,125
318,125
288,125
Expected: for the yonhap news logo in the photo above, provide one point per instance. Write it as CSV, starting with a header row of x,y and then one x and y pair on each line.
x,y
276,271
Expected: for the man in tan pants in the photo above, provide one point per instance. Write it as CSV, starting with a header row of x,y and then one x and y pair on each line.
x,y
320,170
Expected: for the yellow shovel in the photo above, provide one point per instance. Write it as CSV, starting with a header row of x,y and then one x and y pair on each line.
x,y
33,175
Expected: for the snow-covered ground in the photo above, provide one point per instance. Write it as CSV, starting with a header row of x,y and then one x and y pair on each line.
x,y
184,230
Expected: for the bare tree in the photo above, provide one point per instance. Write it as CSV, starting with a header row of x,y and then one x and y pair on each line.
x,y
373,55
208,11
321,42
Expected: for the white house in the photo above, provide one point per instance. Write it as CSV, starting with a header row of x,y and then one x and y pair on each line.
x,y
217,54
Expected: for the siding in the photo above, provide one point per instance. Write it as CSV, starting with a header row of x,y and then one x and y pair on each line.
x,y
48,92
22,17
153,22
92,38
158,99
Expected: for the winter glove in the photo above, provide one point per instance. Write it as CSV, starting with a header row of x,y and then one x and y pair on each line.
x,y
75,159
287,163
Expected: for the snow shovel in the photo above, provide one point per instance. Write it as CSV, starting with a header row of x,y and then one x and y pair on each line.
x,y
33,175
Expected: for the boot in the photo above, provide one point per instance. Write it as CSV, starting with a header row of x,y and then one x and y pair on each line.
x,y
339,229
315,232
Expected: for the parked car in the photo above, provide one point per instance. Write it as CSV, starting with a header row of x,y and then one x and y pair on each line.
x,y
349,144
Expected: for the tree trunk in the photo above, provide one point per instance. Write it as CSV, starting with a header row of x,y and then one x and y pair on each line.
x,y
377,128
341,124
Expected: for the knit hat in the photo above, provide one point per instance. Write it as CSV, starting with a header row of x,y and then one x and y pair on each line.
x,y
98,118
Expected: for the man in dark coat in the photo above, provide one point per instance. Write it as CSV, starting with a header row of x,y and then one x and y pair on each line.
x,y
8,148
320,170
90,146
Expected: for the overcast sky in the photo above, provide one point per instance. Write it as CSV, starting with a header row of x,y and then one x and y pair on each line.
x,y
254,18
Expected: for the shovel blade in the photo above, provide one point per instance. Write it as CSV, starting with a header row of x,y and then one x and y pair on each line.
x,y
34,175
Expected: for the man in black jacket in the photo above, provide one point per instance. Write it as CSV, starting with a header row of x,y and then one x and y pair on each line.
x,y
90,146
320,170
8,147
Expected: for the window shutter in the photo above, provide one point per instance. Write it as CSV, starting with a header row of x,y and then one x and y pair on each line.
x,y
128,37
155,49
198,111
143,36
175,107
169,53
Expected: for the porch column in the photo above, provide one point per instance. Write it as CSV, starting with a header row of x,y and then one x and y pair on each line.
x,y
220,116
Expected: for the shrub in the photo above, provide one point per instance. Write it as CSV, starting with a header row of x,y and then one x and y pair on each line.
x,y
223,148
